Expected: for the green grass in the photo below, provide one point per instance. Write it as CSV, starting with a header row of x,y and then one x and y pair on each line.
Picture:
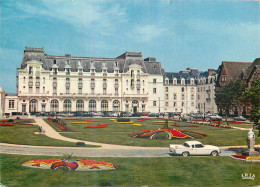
x,y
174,171
118,134
25,134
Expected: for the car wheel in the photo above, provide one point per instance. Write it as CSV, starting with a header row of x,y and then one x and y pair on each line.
x,y
185,154
214,153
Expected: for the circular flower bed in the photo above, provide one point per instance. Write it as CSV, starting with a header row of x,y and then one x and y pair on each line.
x,y
73,165
166,134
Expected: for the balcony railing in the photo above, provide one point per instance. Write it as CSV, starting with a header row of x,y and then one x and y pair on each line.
x,y
104,85
37,84
92,85
104,74
116,85
30,83
67,84
138,85
54,84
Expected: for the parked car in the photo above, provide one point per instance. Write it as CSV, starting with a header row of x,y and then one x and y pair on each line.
x,y
215,117
239,118
88,114
197,116
194,148
153,115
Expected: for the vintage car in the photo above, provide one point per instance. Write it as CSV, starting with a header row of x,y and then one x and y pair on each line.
x,y
194,148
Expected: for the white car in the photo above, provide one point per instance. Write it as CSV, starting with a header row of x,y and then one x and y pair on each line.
x,y
194,148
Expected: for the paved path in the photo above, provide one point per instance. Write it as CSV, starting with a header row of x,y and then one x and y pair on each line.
x,y
90,152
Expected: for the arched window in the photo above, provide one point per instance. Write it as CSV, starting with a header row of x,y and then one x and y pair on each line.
x,y
104,105
116,106
67,105
92,105
135,103
54,105
80,105
33,107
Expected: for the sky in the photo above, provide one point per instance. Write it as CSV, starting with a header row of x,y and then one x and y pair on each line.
x,y
179,33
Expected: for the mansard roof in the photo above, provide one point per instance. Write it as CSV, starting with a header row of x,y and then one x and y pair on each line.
x,y
123,61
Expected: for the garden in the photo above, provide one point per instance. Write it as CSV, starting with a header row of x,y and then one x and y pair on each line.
x,y
135,132
177,171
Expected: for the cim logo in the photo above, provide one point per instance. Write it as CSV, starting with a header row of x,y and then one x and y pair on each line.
x,y
249,176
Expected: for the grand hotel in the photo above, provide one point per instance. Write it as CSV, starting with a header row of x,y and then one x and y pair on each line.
x,y
129,83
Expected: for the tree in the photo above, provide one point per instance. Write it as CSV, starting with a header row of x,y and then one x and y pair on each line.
x,y
252,95
229,96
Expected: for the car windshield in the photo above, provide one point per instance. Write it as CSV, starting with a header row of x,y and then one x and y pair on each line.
x,y
186,145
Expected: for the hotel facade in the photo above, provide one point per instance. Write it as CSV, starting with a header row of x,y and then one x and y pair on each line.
x,y
127,83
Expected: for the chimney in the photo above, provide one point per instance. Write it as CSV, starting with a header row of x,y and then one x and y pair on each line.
x,y
210,71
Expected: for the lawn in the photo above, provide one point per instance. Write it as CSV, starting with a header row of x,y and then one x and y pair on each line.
x,y
174,171
25,134
118,133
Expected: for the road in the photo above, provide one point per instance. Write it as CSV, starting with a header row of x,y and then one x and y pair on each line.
x,y
90,152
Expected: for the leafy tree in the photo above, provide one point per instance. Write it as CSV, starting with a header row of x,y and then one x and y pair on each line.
x,y
252,95
229,96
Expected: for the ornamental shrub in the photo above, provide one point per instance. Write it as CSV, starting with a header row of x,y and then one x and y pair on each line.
x,y
123,120
80,144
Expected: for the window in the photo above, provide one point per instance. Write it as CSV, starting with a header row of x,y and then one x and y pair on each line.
x,y
186,145
67,80
166,89
92,105
43,107
104,105
166,103
198,97
166,81
182,104
154,90
54,105
37,89
192,103
80,80
223,78
23,79
116,81
174,104
175,96
80,105
182,96
138,91
198,89
143,90
175,82
30,89
43,80
23,108
30,80
54,90
104,91
143,82
30,70
33,106
116,106
116,91
37,79
92,91
182,89
11,103
192,97
154,103
199,145
166,96
54,80
43,89
192,89
67,90
80,91
154,81
182,82
67,105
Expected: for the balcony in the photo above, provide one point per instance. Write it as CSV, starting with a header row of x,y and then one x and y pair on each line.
x,y
30,83
80,84
104,85
80,73
37,84
92,85
67,84
138,85
208,99
92,74
104,74
116,85
54,84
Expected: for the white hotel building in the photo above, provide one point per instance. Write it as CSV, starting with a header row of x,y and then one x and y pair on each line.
x,y
48,83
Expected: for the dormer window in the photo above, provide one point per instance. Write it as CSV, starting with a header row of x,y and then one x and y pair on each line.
x,y
67,67
116,64
80,68
166,81
30,70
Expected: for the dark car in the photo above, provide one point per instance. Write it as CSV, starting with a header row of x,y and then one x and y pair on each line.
x,y
88,114
239,118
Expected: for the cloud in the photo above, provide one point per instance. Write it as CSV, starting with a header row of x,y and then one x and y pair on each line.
x,y
100,16
147,33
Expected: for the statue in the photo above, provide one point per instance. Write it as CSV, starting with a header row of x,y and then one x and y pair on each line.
x,y
250,144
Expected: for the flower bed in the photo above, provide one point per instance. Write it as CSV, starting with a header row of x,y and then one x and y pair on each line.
x,y
166,134
176,125
12,123
97,126
73,165
236,122
244,157
57,124
212,125
6,124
